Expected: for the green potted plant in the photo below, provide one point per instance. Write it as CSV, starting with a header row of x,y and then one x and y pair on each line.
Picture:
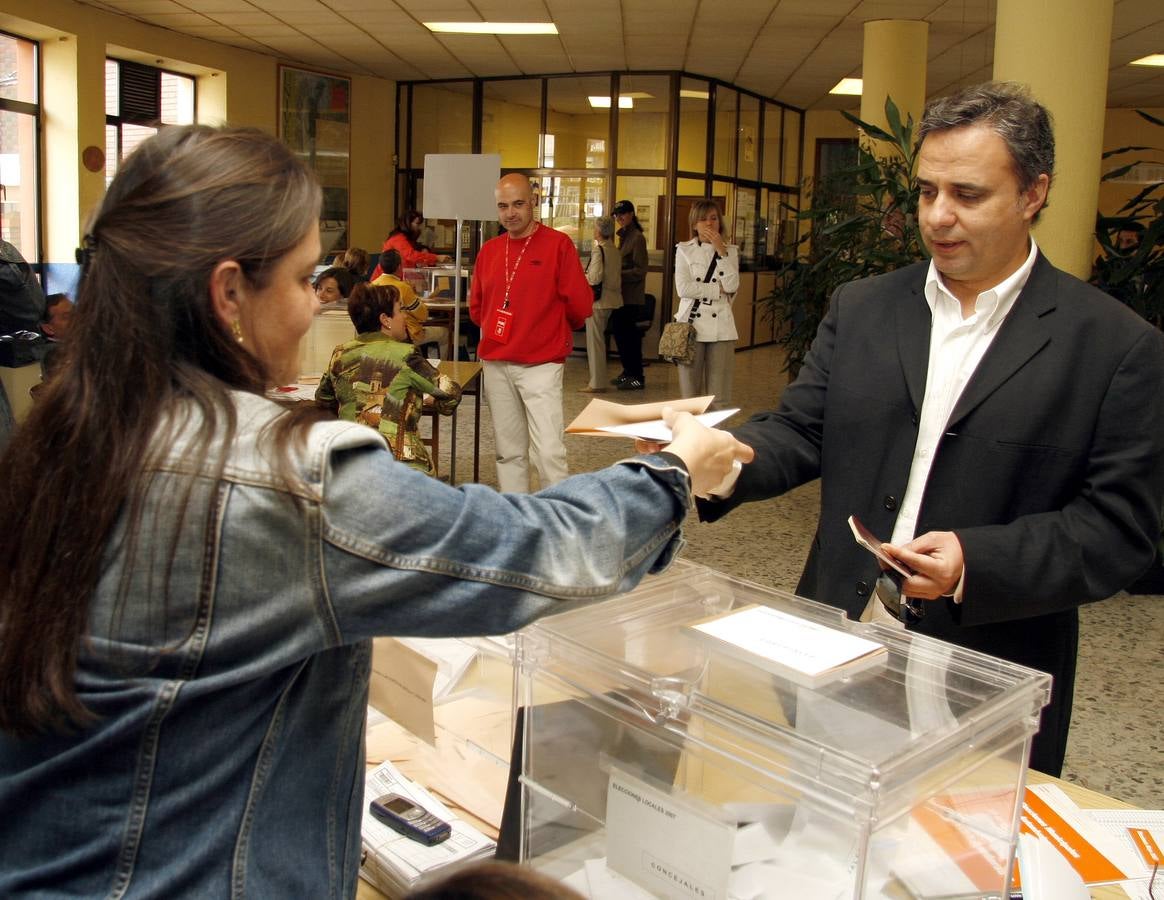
x,y
863,221
1130,267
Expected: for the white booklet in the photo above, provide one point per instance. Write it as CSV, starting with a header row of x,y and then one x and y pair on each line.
x,y
804,652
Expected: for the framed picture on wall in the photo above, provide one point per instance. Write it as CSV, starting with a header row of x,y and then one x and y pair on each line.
x,y
315,122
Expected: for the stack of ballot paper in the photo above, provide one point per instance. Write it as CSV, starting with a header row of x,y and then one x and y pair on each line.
x,y
396,864
806,653
602,418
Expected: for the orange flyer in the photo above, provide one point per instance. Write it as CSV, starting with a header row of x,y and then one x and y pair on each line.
x,y
1039,818
1147,846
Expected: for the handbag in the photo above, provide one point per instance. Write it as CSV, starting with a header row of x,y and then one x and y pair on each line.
x,y
677,342
597,288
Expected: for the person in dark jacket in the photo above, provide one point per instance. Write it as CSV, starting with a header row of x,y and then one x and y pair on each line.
x,y
624,321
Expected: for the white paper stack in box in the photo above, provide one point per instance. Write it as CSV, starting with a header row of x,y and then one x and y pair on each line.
x,y
656,751
448,690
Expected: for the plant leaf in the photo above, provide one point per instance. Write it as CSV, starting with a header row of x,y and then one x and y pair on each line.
x,y
872,130
893,117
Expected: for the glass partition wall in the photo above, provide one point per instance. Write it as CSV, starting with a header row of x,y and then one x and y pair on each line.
x,y
660,140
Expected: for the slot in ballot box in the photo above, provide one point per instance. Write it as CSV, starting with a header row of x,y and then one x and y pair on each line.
x,y
660,757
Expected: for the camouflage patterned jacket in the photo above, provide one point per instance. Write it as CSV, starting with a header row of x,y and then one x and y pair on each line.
x,y
381,382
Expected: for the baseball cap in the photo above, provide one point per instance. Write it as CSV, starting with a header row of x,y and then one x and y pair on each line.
x,y
623,207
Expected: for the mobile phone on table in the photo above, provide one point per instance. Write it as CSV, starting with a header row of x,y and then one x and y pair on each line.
x,y
869,541
413,821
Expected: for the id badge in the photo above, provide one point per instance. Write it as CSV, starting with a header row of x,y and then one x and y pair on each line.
x,y
502,325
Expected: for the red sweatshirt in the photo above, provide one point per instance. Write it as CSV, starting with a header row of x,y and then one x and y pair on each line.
x,y
549,297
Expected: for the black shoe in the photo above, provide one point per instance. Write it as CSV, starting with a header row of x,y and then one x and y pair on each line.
x,y
621,380
632,384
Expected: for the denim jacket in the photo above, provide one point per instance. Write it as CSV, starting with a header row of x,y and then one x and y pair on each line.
x,y
230,689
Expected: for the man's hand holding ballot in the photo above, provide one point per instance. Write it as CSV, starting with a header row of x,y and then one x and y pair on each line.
x,y
926,568
937,563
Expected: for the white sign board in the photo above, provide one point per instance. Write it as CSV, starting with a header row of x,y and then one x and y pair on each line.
x,y
460,185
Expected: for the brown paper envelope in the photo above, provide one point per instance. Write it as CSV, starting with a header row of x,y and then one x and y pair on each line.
x,y
401,686
599,413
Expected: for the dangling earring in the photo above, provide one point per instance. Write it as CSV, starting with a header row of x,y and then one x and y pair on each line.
x,y
236,330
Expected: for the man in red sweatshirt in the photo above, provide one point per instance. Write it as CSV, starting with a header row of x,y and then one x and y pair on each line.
x,y
529,294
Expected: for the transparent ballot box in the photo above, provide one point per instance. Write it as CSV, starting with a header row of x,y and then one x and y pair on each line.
x,y
711,738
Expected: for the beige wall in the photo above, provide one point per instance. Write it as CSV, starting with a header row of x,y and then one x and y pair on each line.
x,y
825,123
233,85
373,185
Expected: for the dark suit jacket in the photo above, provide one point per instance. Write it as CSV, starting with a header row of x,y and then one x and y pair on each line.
x,y
1051,472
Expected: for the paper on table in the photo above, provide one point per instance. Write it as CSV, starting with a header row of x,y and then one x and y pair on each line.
x,y
1046,874
658,431
1122,824
600,413
1098,856
302,390
395,863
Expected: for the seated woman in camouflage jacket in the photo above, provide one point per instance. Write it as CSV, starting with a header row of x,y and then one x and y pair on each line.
x,y
380,380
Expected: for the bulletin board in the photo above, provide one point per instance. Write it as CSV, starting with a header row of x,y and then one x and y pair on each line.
x,y
315,124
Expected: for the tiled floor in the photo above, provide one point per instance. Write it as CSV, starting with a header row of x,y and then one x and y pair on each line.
x,y
1117,740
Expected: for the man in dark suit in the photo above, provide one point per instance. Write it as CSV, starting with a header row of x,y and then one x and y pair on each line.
x,y
999,421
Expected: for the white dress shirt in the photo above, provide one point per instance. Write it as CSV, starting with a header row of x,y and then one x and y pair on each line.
x,y
957,346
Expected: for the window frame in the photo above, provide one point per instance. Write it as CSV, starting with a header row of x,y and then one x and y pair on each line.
x,y
34,109
119,121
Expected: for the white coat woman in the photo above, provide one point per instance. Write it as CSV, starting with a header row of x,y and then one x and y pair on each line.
x,y
711,299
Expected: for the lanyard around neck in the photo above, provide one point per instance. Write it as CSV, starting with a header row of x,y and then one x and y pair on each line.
x,y
509,276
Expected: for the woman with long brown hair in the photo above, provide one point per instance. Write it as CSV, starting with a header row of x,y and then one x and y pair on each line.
x,y
190,575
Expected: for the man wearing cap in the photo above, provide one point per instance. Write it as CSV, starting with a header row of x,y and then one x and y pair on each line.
x,y
624,321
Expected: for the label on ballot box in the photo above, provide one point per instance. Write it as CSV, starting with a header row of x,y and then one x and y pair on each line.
x,y
669,848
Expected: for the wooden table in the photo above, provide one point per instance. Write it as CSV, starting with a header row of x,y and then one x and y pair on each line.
x,y
1085,798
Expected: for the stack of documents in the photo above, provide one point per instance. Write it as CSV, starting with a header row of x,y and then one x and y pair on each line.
x,y
397,864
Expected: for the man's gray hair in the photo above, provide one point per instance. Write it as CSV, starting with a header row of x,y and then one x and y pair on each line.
x,y
605,226
1012,113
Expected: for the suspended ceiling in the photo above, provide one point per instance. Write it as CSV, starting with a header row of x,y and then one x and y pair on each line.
x,y
790,50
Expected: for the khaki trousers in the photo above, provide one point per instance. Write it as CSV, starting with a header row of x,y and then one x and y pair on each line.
x,y
596,345
525,404
710,373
